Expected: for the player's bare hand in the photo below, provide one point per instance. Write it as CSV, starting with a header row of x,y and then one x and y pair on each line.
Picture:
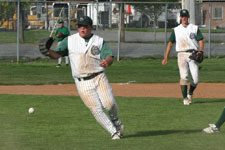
x,y
104,63
164,61
199,52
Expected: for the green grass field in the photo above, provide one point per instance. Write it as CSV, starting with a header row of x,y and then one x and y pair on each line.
x,y
64,123
34,36
143,70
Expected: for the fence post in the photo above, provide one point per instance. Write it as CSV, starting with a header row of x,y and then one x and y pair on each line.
x,y
119,33
165,41
110,14
209,41
69,23
18,31
97,19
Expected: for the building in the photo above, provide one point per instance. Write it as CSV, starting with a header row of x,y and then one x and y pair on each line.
x,y
217,9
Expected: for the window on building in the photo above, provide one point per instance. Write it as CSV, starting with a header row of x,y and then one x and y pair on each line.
x,y
218,13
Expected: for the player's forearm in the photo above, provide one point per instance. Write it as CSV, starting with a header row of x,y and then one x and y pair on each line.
x,y
169,46
109,60
53,54
201,45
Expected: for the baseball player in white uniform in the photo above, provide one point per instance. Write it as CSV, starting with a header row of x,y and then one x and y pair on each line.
x,y
89,55
188,39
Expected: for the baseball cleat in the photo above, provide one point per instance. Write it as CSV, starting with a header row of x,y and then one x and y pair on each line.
x,y
190,98
116,136
186,101
119,127
211,129
59,65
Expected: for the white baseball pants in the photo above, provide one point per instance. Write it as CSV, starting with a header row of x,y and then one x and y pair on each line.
x,y
97,94
185,65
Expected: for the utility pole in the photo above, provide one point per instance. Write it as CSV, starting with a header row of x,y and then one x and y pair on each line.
x,y
192,11
190,6
183,4
46,13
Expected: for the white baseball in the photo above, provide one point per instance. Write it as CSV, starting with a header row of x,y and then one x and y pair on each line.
x,y
31,110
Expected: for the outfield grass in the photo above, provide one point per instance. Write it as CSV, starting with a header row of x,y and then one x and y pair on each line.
x,y
34,36
64,123
143,70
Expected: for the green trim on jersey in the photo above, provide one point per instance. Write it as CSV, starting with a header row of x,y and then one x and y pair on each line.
x,y
105,51
64,30
172,37
62,49
198,37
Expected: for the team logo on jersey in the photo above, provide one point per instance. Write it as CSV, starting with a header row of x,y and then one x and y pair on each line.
x,y
192,36
95,50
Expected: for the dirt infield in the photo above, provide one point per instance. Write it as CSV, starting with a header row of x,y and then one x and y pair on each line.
x,y
204,90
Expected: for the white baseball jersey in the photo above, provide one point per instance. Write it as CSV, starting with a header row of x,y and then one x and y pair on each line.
x,y
85,56
84,59
186,37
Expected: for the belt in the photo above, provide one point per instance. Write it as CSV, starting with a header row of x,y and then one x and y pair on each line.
x,y
89,77
190,51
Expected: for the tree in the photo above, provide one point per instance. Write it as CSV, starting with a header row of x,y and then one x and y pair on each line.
x,y
7,11
152,12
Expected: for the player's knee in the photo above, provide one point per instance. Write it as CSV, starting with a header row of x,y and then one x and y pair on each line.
x,y
194,82
109,105
183,82
96,111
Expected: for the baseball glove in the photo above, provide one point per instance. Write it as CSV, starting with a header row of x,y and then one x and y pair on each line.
x,y
45,45
197,56
60,34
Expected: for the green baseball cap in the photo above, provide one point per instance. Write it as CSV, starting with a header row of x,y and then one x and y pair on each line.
x,y
85,21
184,12
60,21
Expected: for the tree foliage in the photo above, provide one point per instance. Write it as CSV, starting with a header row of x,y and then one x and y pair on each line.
x,y
7,10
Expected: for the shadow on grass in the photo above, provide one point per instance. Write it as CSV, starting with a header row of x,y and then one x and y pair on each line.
x,y
160,132
210,101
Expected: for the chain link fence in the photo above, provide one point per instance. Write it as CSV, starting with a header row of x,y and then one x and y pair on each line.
x,y
133,29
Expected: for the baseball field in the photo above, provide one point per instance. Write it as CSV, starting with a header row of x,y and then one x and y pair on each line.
x,y
148,96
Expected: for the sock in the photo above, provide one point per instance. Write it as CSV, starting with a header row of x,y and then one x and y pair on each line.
x,y
184,90
191,90
221,120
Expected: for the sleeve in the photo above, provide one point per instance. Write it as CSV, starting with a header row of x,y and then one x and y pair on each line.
x,y
172,37
199,36
106,51
62,49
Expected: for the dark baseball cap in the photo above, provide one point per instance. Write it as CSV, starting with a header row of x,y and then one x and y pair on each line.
x,y
184,13
60,21
85,21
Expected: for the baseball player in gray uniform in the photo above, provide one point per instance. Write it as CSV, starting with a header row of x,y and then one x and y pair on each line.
x,y
89,55
188,39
